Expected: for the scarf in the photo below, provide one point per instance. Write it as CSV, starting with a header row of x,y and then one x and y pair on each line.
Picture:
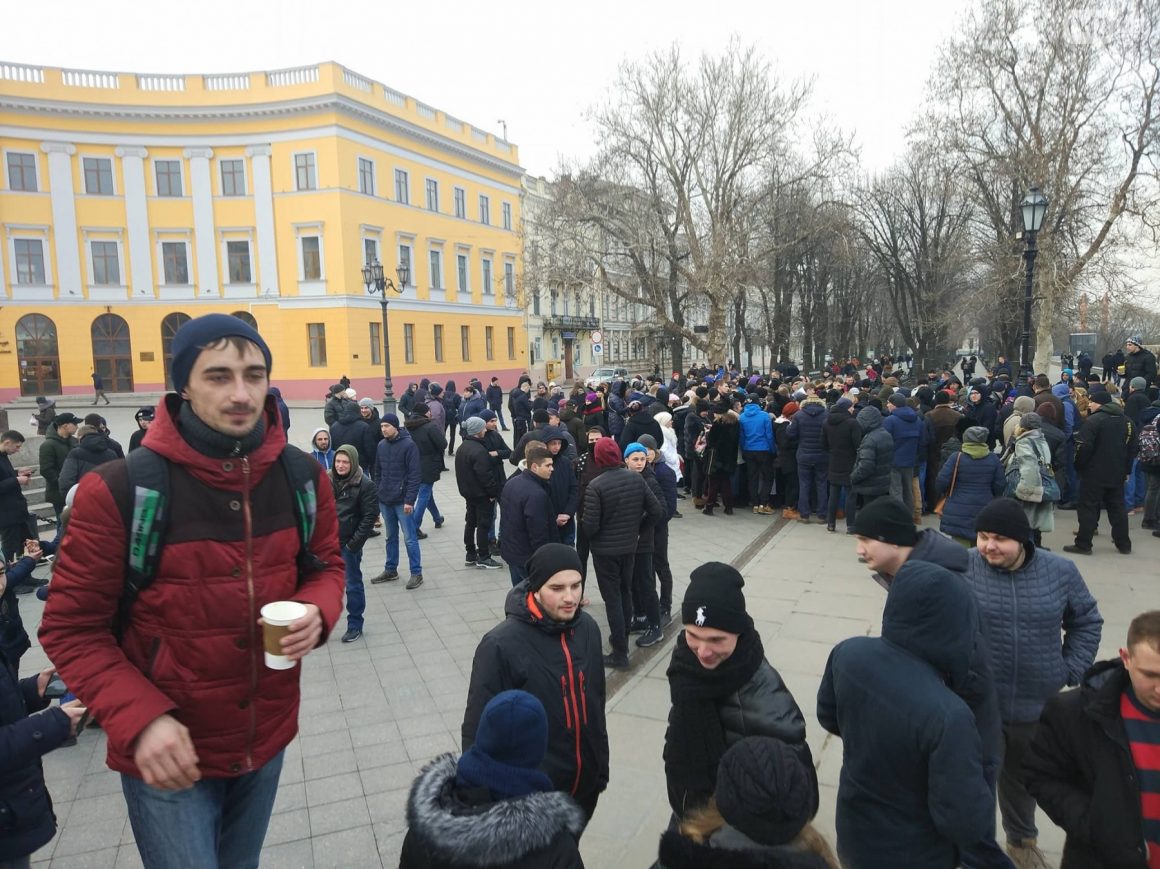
x,y
976,451
695,740
212,442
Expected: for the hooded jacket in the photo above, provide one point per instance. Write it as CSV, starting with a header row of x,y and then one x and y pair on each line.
x,y
93,450
721,444
449,827
192,647
452,404
756,429
841,436
1069,422
1022,613
1105,446
351,428
53,451
431,441
729,848
561,663
905,427
872,468
912,790
805,429
638,424
983,413
323,457
355,502
977,479
473,406
438,412
398,469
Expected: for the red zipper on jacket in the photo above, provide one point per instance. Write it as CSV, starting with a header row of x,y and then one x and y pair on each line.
x,y
572,689
255,640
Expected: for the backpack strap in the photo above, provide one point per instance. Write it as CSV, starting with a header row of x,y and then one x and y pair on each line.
x,y
301,473
144,514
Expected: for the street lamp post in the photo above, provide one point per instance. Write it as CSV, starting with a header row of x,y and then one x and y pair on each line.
x,y
1034,206
376,283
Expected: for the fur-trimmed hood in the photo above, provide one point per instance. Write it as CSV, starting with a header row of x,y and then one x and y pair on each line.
x,y
486,834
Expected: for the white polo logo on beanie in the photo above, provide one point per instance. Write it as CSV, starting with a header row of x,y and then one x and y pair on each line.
x,y
700,620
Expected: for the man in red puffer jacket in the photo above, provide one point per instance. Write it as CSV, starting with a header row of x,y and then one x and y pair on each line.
x,y
196,722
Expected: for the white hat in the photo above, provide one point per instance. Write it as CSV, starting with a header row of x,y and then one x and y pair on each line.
x,y
351,394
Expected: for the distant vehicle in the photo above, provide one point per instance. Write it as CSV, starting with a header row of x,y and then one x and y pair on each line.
x,y
605,375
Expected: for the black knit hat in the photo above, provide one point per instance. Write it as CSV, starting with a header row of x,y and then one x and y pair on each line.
x,y
765,790
548,560
1006,517
540,416
714,599
203,331
887,520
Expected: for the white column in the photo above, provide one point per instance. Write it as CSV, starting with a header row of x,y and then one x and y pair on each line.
x,y
264,218
202,189
140,266
64,218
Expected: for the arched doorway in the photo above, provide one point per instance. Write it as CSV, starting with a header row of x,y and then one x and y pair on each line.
x,y
169,327
38,355
112,353
247,318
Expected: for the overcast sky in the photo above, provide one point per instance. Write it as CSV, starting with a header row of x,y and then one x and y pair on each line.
x,y
536,65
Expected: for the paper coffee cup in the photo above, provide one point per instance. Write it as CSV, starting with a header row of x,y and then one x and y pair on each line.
x,y
276,619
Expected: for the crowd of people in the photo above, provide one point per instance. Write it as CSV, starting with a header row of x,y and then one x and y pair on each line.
x,y
955,710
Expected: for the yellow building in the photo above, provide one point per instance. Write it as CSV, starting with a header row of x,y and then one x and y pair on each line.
x,y
130,203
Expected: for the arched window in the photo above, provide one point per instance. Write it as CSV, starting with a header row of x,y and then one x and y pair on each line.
x,y
37,355
169,327
113,353
246,317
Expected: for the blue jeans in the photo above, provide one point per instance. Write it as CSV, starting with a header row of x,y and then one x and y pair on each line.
x,y
356,595
217,822
1072,493
395,517
499,416
518,574
1135,487
424,502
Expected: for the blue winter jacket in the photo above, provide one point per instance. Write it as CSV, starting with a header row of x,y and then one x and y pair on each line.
x,y
978,483
1022,613
473,407
1070,411
756,430
905,426
805,430
397,469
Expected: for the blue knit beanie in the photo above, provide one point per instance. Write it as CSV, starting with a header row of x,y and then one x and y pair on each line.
x,y
635,448
510,743
197,333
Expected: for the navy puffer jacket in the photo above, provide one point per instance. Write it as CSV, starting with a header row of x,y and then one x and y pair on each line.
x,y
806,431
1022,613
977,484
906,428
871,474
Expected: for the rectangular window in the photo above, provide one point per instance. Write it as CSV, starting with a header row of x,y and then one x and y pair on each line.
x,y
402,187
487,277
436,270
460,203
366,176
405,261
376,343
489,342
22,172
29,261
509,278
537,352
536,304
175,262
98,176
462,264
370,250
304,173
409,342
311,258
484,210
168,177
465,343
432,194
438,343
316,332
238,253
512,342
552,300
507,216
233,177
106,263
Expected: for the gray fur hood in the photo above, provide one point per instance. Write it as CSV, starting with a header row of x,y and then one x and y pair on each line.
x,y
490,834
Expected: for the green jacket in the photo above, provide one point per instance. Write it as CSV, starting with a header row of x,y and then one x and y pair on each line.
x,y
53,452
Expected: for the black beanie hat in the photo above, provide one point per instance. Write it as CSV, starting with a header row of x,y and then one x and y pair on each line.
x,y
887,520
765,790
714,599
540,416
197,333
549,560
1006,517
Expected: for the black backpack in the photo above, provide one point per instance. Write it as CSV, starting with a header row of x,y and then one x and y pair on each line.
x,y
145,515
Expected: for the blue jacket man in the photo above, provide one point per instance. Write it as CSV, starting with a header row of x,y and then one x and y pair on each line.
x,y
906,429
756,429
398,475
526,518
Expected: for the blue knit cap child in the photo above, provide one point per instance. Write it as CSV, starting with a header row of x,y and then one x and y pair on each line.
x,y
510,743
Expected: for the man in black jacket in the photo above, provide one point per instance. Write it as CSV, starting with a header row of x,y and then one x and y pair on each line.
x,y
1092,762
562,486
1104,449
13,504
525,516
357,504
520,405
544,642
351,428
495,401
1139,362
475,477
431,442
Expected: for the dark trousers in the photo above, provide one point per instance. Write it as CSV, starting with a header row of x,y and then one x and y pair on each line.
x,y
12,539
661,565
1016,806
451,426
1152,494
836,490
477,527
696,478
614,578
719,482
760,467
644,590
813,478
520,427
787,487
582,546
1111,498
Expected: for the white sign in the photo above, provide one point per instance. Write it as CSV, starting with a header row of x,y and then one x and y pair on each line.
x,y
597,349
597,337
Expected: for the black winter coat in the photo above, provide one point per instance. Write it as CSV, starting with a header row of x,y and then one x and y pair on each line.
x,y
646,542
449,827
1080,770
520,405
13,504
531,652
473,471
841,435
721,444
1105,446
637,425
786,458
526,520
616,505
350,428
563,490
494,395
495,443
805,429
93,450
431,441
357,504
1142,363
875,462
731,849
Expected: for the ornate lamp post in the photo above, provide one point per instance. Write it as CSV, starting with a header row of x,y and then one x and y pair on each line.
x,y
377,283
1034,206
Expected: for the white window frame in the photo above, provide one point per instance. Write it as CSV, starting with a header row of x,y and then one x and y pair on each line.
x,y
509,263
29,233
153,161
484,205
459,197
405,240
89,235
406,177
175,236
487,274
437,247
35,167
427,182
374,174
463,251
242,234
294,169
245,178
303,230
506,211
112,168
